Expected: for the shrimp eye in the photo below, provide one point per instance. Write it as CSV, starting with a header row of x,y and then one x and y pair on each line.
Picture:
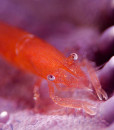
x,y
51,77
74,56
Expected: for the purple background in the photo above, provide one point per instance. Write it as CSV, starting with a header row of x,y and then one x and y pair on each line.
x,y
82,26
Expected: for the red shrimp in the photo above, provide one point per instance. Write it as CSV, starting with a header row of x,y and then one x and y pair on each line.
x,y
34,55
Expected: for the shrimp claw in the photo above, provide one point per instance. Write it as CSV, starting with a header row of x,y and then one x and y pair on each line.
x,y
101,94
72,103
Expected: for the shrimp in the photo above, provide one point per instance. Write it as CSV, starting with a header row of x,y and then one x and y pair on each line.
x,y
34,55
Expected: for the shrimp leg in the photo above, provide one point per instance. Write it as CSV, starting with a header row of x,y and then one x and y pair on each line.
x,y
71,103
95,82
36,93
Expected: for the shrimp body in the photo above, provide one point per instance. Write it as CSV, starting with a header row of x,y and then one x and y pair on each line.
x,y
28,52
38,57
